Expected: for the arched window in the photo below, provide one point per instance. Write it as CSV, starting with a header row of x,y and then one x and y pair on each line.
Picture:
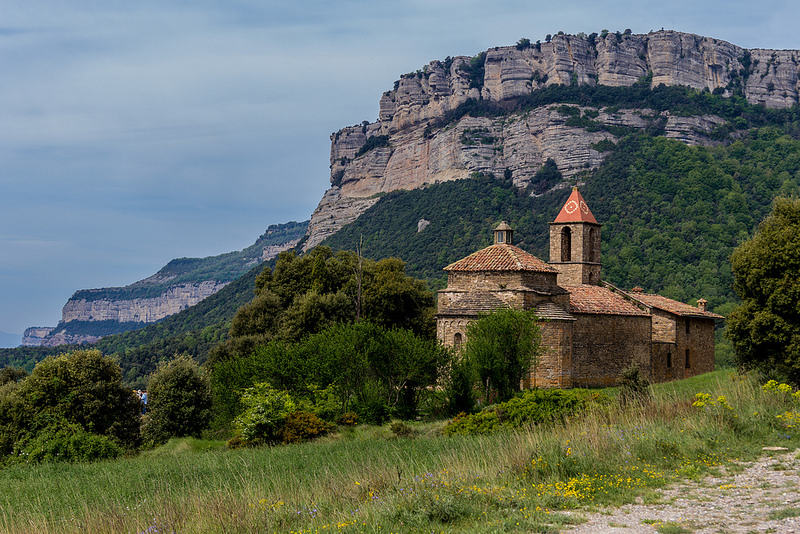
x,y
566,244
594,246
457,340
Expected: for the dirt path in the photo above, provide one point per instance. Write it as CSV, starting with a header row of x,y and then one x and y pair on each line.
x,y
764,497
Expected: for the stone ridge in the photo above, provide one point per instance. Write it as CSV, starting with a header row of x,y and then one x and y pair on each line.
x,y
501,257
419,153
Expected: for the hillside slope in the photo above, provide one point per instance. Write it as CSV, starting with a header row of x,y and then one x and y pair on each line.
x,y
490,113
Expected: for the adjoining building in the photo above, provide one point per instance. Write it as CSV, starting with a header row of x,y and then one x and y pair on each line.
x,y
591,330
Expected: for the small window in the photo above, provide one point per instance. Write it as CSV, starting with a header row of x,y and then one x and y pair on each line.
x,y
669,360
457,340
687,326
688,360
501,237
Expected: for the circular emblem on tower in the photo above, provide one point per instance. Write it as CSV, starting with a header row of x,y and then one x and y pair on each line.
x,y
571,206
584,207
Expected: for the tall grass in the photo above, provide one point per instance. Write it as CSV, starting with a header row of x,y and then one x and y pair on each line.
x,y
368,480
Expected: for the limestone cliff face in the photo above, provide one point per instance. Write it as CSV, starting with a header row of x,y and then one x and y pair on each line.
x,y
35,336
140,310
422,148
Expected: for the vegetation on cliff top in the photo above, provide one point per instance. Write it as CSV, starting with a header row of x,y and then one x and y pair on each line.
x,y
221,268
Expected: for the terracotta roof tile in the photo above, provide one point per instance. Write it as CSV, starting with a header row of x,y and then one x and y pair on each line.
x,y
575,210
672,306
601,300
501,257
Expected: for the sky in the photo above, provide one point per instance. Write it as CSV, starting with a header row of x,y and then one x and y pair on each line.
x,y
132,133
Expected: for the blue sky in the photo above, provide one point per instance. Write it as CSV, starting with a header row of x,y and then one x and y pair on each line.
x,y
137,132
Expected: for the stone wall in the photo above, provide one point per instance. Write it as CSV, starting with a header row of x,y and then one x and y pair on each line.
x,y
700,342
448,327
664,326
604,345
493,280
554,369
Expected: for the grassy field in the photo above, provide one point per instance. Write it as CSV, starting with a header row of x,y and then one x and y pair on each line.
x,y
370,480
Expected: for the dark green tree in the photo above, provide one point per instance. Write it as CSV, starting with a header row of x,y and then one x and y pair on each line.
x,y
503,346
82,389
12,374
765,329
179,401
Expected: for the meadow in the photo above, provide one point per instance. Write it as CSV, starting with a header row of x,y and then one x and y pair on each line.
x,y
412,478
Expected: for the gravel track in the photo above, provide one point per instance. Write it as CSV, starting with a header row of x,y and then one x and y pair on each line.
x,y
737,501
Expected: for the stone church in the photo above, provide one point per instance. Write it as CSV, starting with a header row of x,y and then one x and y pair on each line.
x,y
591,330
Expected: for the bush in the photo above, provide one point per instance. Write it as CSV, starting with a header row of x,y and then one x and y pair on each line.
x,y
347,419
266,411
303,426
179,401
534,406
633,387
64,442
83,388
483,422
401,429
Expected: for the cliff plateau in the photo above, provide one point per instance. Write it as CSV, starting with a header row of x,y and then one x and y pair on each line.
x,y
93,313
419,139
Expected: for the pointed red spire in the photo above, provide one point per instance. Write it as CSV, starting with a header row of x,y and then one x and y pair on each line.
x,y
575,210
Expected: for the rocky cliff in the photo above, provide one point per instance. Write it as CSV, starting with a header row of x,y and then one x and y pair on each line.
x,y
140,310
413,142
92,313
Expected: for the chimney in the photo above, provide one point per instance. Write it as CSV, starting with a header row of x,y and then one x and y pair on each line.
x,y
701,304
637,289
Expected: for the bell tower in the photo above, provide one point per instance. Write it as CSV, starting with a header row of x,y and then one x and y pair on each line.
x,y
575,243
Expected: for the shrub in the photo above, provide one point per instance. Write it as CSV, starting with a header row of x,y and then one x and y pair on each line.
x,y
179,401
633,387
64,442
266,411
534,406
347,419
401,429
82,387
303,426
483,422
373,142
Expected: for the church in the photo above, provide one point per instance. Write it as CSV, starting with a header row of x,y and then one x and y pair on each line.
x,y
591,330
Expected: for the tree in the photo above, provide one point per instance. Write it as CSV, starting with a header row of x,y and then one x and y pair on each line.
x,y
179,401
503,346
74,405
86,388
765,329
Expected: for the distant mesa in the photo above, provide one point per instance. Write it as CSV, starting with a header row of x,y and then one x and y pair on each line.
x,y
91,314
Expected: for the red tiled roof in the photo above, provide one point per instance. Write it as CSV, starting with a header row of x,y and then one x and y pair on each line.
x,y
501,257
575,210
672,306
598,299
